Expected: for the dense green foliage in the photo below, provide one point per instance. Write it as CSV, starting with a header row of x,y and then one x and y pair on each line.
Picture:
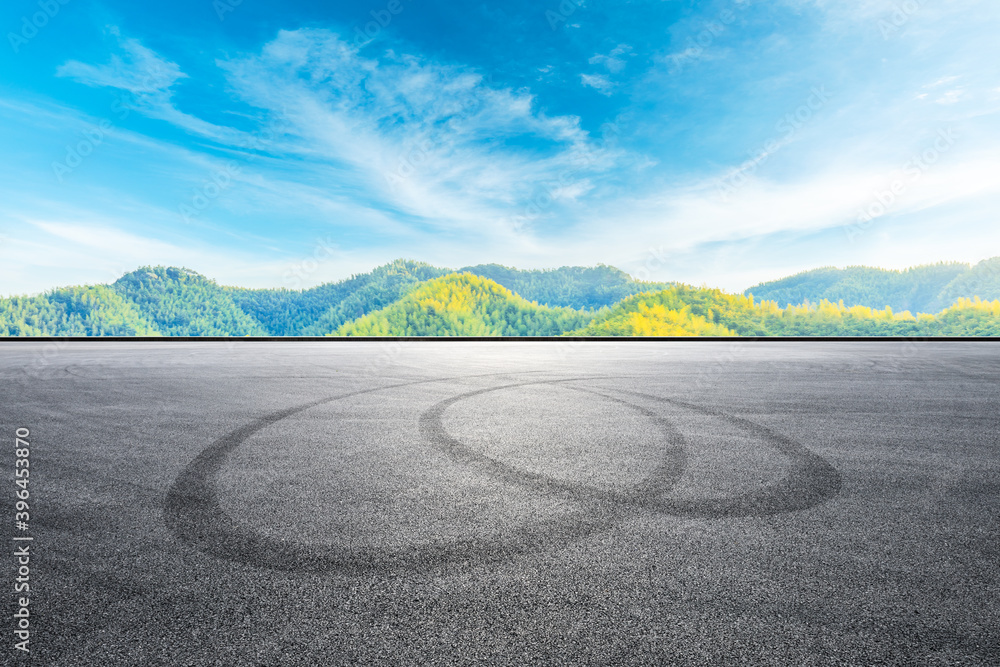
x,y
73,311
416,299
689,311
921,289
982,280
580,287
320,310
465,305
678,311
180,302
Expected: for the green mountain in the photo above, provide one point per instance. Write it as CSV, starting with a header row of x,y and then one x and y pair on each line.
x,y
91,310
320,310
180,302
919,289
982,280
417,299
687,311
580,287
680,310
465,305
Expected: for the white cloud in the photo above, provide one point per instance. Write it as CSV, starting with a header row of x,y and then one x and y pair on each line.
x,y
431,140
391,131
951,96
138,70
436,162
613,61
148,79
598,82
42,254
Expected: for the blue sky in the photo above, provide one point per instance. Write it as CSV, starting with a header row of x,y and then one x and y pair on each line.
x,y
289,144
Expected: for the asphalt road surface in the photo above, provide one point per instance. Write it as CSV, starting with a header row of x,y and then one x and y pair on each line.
x,y
271,503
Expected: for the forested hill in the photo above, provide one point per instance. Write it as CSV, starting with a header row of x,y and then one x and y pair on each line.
x,y
921,289
581,287
320,310
687,311
465,305
179,302
413,298
74,311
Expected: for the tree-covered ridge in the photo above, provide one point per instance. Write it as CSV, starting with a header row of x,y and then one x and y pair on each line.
x,y
318,310
580,287
641,318
970,317
680,310
465,305
180,302
412,298
687,311
982,280
90,310
921,289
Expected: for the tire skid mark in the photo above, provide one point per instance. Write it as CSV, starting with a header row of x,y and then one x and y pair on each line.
x,y
192,510
810,480
665,476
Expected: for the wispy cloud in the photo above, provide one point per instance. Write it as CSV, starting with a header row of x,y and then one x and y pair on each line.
x,y
598,82
606,146
614,61
148,78
437,141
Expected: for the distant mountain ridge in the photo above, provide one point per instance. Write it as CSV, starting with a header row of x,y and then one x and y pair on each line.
x,y
416,299
465,304
171,301
922,289
581,287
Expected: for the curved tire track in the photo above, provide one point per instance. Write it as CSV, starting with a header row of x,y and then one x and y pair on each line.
x,y
192,510
809,481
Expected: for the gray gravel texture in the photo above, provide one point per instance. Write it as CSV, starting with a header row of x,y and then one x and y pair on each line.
x,y
326,503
